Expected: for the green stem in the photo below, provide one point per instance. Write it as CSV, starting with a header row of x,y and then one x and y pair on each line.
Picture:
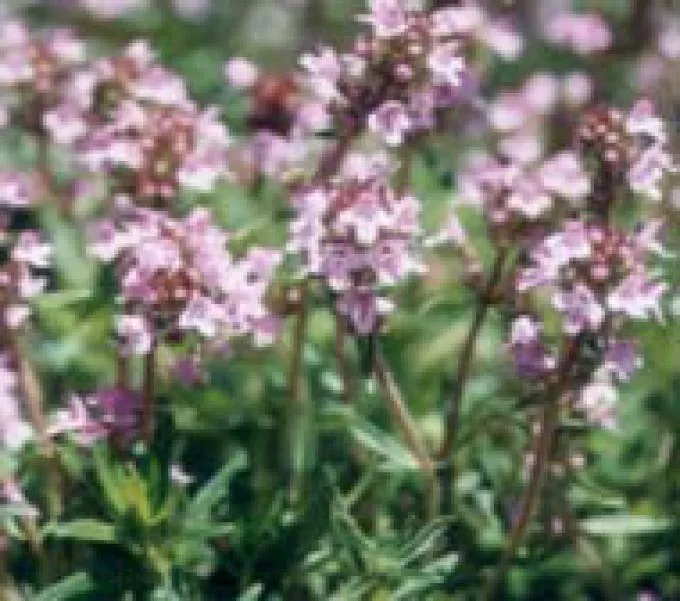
x,y
542,453
406,423
467,353
148,418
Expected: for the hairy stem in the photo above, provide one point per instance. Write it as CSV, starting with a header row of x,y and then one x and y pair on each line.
x,y
297,388
467,354
122,370
542,451
343,364
148,417
542,454
405,422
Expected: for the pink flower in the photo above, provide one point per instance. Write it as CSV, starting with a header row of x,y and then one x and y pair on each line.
x,y
584,33
642,120
452,232
77,421
391,122
241,73
509,111
32,250
446,64
528,198
638,296
159,85
203,315
647,172
457,20
524,330
387,17
599,401
580,308
529,353
621,359
17,190
564,175
540,92
503,39
577,89
363,308
324,70
65,123
65,47
15,432
522,148
135,334
16,315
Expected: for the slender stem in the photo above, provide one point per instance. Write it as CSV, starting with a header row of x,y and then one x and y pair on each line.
x,y
403,176
148,418
467,353
299,335
297,388
402,416
343,364
122,370
542,451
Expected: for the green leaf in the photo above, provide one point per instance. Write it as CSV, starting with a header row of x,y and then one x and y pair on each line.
x,y
253,593
67,588
622,524
108,480
217,488
395,457
88,530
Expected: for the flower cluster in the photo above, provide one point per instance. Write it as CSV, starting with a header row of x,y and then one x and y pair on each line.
x,y
598,275
15,431
177,275
396,75
393,81
522,116
20,276
34,70
358,234
512,194
131,118
584,33
110,412
626,148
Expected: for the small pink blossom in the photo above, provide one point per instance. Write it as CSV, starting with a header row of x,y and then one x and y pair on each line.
x,y
581,309
503,39
599,400
135,334
638,297
387,17
456,20
65,123
31,249
391,122
241,74
564,175
446,64
577,89
584,33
